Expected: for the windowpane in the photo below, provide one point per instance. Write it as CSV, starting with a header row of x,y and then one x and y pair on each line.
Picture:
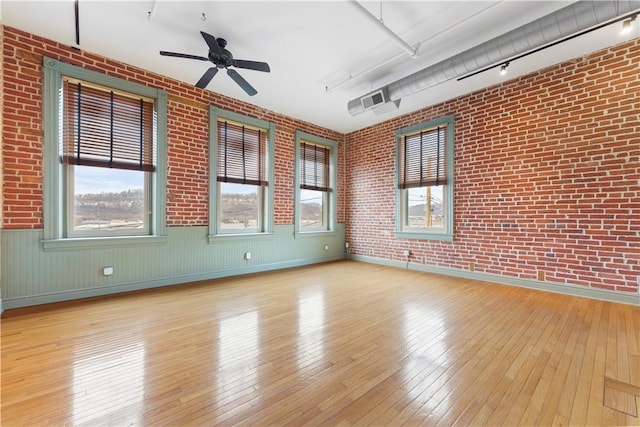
x,y
241,154
316,183
239,208
107,129
314,167
425,180
422,158
423,215
107,200
313,209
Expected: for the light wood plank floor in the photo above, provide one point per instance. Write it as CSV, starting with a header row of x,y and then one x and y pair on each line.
x,y
341,343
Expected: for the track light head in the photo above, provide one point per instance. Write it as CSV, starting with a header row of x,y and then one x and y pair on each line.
x,y
627,24
503,68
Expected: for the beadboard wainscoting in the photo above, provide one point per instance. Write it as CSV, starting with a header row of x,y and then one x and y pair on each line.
x,y
31,275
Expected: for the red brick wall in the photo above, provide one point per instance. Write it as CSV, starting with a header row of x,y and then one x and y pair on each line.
x,y
188,135
547,178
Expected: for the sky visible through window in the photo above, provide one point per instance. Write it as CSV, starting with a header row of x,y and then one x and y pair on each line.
x,y
92,180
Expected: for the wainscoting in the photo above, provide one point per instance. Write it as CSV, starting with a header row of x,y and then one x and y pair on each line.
x,y
30,275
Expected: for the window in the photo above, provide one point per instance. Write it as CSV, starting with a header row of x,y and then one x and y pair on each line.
x,y
425,180
105,142
315,195
107,154
241,156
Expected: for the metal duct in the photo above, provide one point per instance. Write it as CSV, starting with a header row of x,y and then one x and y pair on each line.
x,y
557,26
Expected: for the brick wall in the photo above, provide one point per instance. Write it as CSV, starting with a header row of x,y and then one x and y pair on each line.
x,y
547,177
188,135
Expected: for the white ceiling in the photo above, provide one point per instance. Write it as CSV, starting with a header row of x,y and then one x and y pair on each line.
x,y
310,45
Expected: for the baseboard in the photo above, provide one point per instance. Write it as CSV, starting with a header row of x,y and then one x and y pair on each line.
x,y
150,284
561,288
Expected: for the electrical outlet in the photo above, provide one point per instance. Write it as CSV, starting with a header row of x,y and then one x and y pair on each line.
x,y
247,256
406,253
107,271
326,247
346,245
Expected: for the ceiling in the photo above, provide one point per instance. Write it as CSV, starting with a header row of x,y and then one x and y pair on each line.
x,y
322,54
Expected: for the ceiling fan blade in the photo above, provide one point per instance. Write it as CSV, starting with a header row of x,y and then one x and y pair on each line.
x,y
252,65
211,42
206,77
241,82
183,55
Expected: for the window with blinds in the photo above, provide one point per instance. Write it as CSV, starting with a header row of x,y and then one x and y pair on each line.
x,y
422,158
314,167
425,180
242,154
105,128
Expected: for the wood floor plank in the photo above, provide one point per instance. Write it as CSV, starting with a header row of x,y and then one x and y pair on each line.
x,y
585,376
341,343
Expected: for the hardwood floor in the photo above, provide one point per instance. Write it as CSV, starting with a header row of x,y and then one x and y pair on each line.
x,y
341,343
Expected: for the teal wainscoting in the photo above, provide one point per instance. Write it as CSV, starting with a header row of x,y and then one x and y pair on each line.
x,y
31,275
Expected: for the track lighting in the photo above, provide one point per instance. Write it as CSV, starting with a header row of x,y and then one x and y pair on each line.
x,y
503,68
627,23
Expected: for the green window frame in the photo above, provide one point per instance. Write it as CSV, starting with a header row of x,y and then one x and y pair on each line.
x,y
411,174
329,194
218,230
56,235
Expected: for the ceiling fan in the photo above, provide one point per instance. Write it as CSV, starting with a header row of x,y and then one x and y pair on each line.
x,y
222,58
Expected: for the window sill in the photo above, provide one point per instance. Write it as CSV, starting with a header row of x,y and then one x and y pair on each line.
x,y
239,237
312,234
425,236
102,242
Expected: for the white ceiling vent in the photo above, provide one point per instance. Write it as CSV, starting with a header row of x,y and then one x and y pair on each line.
x,y
373,99
387,107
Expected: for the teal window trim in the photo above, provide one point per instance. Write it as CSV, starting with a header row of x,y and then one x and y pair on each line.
x,y
54,203
448,233
216,113
333,183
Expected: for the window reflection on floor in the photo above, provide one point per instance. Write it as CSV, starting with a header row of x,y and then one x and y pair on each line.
x,y
425,337
310,327
109,383
238,353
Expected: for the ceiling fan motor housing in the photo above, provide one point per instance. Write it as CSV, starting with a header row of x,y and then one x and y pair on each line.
x,y
223,58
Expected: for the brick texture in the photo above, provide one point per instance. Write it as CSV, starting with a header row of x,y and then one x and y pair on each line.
x,y
547,177
188,135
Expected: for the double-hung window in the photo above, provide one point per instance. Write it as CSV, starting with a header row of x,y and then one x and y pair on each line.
x,y
315,195
242,157
425,180
108,156
105,157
